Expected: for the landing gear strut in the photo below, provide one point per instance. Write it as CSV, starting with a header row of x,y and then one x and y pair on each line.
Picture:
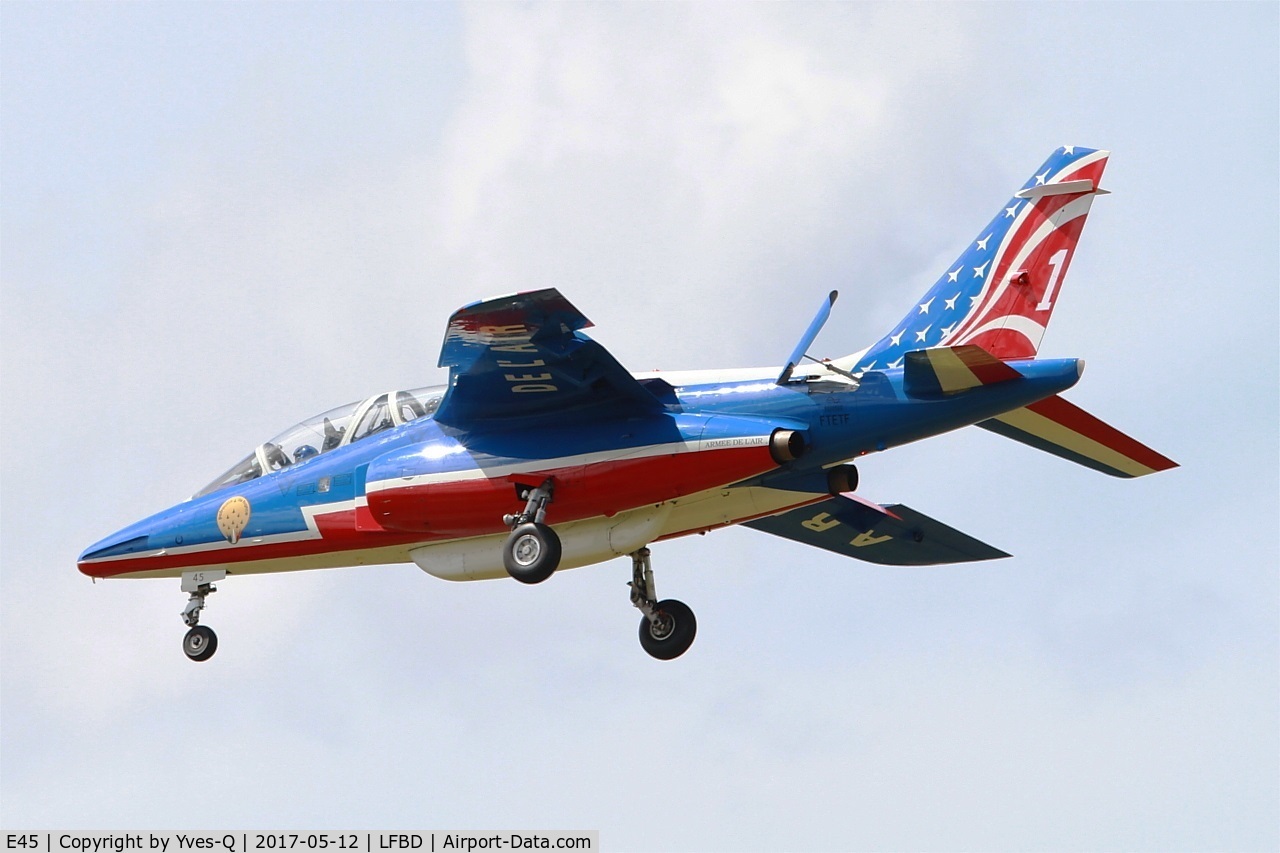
x,y
532,551
200,642
668,627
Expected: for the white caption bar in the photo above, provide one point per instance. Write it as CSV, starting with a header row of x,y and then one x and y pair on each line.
x,y
430,841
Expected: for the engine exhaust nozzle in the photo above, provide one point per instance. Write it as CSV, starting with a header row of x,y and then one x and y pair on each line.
x,y
786,445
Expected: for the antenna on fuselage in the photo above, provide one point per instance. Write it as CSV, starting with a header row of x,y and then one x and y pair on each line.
x,y
824,311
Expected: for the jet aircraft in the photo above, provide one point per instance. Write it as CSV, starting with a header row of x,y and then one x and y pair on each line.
x,y
543,453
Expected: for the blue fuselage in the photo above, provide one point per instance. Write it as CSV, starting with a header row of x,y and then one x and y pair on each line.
x,y
315,513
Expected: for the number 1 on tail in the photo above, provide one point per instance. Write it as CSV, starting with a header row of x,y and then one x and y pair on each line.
x,y
1058,259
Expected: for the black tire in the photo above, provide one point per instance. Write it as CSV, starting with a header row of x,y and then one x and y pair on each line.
x,y
673,635
200,643
531,553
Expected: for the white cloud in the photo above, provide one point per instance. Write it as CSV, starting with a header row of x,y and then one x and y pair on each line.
x,y
656,162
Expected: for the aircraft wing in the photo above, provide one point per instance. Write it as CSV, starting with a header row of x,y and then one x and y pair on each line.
x,y
524,357
893,535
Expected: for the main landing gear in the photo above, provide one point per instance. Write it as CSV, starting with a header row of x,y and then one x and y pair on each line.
x,y
200,642
532,551
668,627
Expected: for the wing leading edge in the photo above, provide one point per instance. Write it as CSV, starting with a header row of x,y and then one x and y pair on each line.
x,y
523,356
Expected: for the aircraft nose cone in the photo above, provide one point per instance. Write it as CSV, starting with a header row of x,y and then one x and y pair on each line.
x,y
132,539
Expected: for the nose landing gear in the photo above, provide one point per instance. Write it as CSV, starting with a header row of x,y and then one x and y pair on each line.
x,y
200,642
668,627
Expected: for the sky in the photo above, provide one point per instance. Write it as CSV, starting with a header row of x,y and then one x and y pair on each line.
x,y
219,219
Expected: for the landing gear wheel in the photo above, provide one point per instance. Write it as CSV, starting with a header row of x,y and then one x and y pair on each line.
x,y
200,643
531,552
673,632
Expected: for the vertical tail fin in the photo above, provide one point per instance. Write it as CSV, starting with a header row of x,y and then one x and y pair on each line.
x,y
1000,293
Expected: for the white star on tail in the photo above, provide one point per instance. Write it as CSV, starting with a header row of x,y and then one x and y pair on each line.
x,y
1040,178
1010,211
920,334
951,303
897,339
951,276
981,272
924,306
982,244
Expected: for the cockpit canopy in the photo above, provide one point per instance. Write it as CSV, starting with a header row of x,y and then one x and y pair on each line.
x,y
332,429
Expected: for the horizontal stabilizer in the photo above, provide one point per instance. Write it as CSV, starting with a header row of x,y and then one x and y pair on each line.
x,y
1063,429
946,370
893,535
